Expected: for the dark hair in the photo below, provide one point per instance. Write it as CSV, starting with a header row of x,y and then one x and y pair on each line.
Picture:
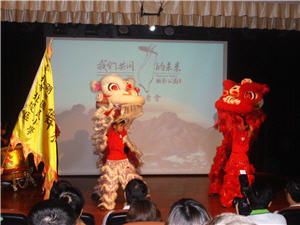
x,y
143,210
51,212
260,195
59,187
293,188
135,190
118,122
72,195
187,212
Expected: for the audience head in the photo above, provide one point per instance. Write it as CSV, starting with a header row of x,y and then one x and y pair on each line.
x,y
135,190
260,195
59,187
293,190
143,210
72,195
230,219
52,212
187,212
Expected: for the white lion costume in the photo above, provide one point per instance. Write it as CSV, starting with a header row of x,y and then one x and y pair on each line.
x,y
117,99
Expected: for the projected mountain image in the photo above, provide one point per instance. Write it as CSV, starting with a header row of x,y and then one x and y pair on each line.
x,y
169,143
75,148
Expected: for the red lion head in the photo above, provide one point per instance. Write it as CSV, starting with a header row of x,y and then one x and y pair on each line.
x,y
241,98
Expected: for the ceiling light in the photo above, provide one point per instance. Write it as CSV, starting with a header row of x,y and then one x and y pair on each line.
x,y
152,28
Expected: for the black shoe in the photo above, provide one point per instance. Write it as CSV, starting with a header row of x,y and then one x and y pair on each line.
x,y
95,196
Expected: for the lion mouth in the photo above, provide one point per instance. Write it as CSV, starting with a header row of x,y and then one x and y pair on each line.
x,y
131,111
231,100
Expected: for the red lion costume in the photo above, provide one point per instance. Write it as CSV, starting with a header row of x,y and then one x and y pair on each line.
x,y
239,118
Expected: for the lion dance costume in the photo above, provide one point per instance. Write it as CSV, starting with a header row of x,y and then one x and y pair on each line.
x,y
117,99
239,119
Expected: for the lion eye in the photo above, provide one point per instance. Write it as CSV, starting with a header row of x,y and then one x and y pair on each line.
x,y
129,86
225,92
113,87
250,95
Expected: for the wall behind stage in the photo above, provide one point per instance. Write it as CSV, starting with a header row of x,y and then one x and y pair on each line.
x,y
270,57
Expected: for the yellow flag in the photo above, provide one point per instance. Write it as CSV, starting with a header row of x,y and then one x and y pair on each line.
x,y
35,128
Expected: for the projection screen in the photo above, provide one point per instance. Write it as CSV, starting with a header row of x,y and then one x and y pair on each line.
x,y
180,80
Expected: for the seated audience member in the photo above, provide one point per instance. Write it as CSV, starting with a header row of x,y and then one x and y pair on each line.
x,y
230,219
187,212
51,212
73,196
143,210
292,213
135,190
260,198
59,187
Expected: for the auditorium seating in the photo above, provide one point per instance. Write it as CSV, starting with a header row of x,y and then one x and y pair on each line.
x,y
88,218
117,217
13,219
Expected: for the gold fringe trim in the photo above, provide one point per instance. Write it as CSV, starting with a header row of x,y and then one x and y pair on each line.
x,y
106,206
109,199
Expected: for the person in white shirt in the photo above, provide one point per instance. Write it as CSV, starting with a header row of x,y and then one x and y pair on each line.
x,y
260,198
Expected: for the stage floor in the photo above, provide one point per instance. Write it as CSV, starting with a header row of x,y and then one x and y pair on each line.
x,y
165,190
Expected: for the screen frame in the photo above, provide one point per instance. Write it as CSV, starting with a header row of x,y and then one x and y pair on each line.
x,y
225,65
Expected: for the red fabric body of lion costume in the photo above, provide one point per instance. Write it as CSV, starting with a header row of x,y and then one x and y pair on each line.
x,y
239,119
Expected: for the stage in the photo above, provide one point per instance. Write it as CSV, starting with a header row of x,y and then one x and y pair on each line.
x,y
165,190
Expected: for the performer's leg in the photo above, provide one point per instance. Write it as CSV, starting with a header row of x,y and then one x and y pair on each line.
x,y
217,169
238,161
108,184
127,172
231,185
